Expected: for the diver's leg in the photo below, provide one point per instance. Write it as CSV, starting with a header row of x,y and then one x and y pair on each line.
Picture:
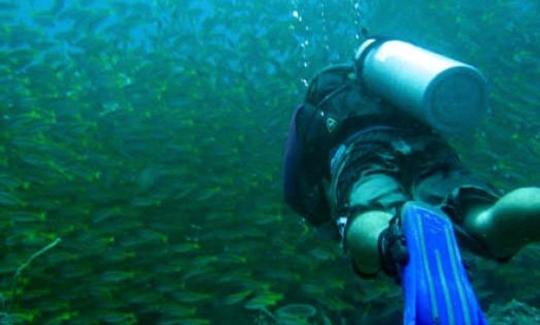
x,y
509,224
362,240
380,195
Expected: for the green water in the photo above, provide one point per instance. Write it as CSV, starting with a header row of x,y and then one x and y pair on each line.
x,y
141,145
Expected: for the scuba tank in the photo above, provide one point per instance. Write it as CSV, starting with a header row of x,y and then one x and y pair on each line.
x,y
448,95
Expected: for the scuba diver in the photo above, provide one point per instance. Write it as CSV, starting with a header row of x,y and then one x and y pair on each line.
x,y
367,161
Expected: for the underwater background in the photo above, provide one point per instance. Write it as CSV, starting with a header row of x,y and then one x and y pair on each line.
x,y
141,145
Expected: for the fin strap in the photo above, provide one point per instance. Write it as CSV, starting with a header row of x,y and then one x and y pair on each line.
x,y
392,248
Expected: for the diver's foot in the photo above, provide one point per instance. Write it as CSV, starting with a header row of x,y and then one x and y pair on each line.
x,y
511,223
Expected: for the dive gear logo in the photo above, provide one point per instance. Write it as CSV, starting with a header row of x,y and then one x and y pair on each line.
x,y
331,124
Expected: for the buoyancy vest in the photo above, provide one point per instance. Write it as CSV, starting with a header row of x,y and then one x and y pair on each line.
x,y
336,105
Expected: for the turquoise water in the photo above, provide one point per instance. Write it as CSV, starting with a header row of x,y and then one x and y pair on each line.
x,y
141,145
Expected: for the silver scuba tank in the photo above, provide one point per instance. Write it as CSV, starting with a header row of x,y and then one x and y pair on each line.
x,y
449,95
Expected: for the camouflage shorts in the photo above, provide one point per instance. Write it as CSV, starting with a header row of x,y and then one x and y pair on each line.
x,y
383,170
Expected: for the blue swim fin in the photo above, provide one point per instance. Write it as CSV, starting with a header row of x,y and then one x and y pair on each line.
x,y
435,283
